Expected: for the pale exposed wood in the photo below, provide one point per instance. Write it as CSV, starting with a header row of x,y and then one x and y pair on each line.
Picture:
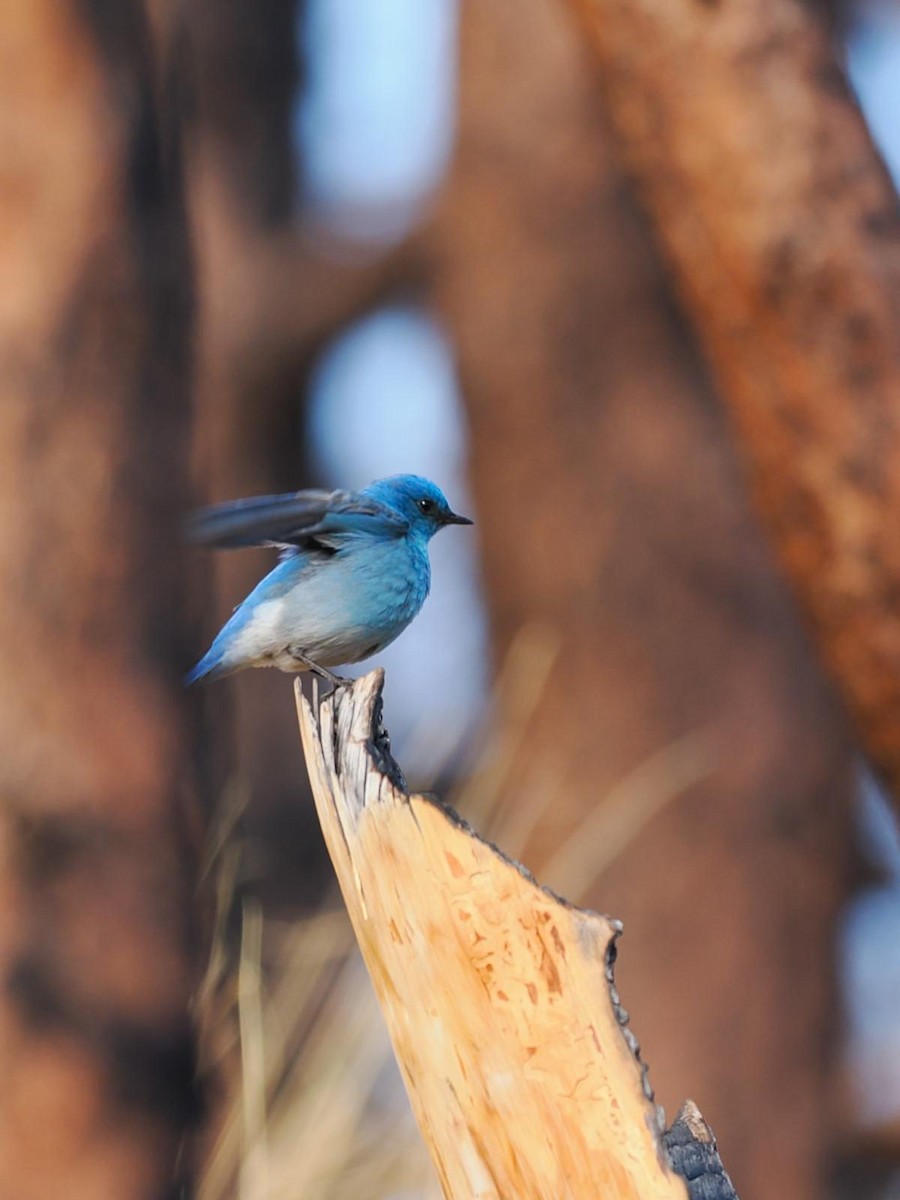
x,y
497,994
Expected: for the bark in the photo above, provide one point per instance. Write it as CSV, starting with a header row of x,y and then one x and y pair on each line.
x,y
498,996
610,508
695,1155
96,944
783,231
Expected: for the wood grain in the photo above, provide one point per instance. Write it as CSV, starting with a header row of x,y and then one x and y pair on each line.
x,y
498,995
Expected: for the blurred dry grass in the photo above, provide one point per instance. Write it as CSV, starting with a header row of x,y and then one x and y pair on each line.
x,y
313,1103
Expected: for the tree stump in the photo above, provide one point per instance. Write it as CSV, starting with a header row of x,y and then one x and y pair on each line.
x,y
499,996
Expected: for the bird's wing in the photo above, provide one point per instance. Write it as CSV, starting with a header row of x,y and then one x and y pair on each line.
x,y
313,519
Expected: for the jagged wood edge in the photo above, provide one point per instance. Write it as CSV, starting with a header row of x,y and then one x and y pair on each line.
x,y
334,749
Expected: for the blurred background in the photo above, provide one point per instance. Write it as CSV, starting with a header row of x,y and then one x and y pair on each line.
x,y
414,248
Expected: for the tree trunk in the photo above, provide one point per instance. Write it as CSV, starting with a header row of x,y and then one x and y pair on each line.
x,y
96,941
783,230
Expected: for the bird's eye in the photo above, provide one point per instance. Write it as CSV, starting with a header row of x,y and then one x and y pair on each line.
x,y
426,505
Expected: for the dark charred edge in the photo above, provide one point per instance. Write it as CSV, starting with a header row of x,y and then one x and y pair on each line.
x,y
379,747
150,1070
694,1156
335,740
623,1019
378,743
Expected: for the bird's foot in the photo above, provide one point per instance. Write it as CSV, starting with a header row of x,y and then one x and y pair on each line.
x,y
323,672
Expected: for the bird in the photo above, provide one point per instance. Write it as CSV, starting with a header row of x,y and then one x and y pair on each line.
x,y
353,572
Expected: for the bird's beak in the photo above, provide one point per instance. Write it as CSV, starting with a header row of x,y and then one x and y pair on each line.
x,y
452,518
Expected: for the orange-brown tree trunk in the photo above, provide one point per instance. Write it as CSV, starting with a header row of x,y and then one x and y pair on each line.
x,y
783,230
96,885
611,507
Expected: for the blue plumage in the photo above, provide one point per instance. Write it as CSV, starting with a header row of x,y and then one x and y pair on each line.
x,y
353,574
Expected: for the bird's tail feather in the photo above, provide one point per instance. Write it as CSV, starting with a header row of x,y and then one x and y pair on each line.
x,y
210,666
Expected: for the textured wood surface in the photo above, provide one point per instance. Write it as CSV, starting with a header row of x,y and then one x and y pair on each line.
x,y
498,996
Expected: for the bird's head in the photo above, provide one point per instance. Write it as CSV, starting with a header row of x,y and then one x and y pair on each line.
x,y
419,500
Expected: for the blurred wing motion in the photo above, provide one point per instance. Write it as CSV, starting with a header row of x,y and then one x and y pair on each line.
x,y
308,520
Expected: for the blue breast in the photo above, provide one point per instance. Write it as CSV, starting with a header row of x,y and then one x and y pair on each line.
x,y
389,583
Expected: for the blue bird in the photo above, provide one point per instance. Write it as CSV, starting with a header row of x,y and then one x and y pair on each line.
x,y
353,573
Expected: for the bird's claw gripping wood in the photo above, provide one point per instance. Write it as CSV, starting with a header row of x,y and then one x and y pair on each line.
x,y
498,995
323,672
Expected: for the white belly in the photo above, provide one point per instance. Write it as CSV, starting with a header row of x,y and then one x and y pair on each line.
x,y
340,612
